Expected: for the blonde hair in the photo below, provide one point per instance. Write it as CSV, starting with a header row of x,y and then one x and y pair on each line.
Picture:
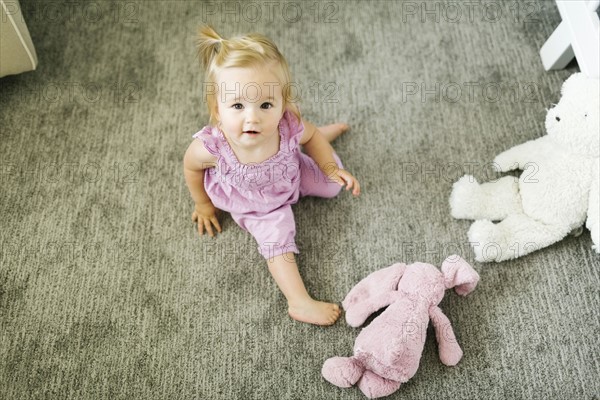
x,y
248,51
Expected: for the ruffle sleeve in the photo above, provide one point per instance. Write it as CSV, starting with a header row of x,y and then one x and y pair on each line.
x,y
209,139
292,130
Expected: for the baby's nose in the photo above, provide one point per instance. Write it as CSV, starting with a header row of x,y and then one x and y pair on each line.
x,y
251,116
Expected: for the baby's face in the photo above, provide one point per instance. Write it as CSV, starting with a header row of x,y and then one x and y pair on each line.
x,y
250,105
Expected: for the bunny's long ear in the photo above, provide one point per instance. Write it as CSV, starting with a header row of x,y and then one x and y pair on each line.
x,y
372,293
458,274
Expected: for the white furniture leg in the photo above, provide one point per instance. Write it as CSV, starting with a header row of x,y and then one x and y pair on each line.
x,y
557,51
578,35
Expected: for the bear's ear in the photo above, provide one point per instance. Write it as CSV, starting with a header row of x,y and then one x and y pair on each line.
x,y
572,84
581,87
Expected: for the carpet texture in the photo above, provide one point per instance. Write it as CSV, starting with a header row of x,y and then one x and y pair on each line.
x,y
106,290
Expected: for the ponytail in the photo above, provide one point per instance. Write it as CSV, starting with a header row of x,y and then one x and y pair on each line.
x,y
208,43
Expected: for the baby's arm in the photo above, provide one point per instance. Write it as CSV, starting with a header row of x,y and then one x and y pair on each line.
x,y
319,149
195,161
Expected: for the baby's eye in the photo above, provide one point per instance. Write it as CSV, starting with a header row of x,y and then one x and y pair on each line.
x,y
266,106
236,106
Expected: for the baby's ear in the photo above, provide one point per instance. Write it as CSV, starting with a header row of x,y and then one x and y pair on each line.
x,y
458,274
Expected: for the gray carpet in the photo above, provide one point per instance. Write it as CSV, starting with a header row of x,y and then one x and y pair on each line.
x,y
106,290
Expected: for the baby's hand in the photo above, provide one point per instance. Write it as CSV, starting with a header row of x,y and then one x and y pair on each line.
x,y
344,177
206,216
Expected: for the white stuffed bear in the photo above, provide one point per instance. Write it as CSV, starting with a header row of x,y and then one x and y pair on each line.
x,y
554,194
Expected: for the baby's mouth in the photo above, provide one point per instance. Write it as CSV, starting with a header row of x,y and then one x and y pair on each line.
x,y
251,132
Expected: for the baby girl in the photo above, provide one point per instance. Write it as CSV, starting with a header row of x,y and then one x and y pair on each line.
x,y
248,160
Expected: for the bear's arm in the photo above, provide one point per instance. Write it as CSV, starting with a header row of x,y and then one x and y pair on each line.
x,y
519,156
593,214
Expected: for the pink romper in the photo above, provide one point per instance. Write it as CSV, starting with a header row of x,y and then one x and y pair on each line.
x,y
259,196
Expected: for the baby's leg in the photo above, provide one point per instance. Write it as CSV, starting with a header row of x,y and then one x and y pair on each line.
x,y
301,306
331,132
275,233
313,182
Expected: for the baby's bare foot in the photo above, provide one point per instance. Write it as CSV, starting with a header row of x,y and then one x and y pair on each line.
x,y
331,132
314,312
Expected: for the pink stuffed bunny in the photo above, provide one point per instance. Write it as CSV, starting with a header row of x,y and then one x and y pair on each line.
x,y
387,352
